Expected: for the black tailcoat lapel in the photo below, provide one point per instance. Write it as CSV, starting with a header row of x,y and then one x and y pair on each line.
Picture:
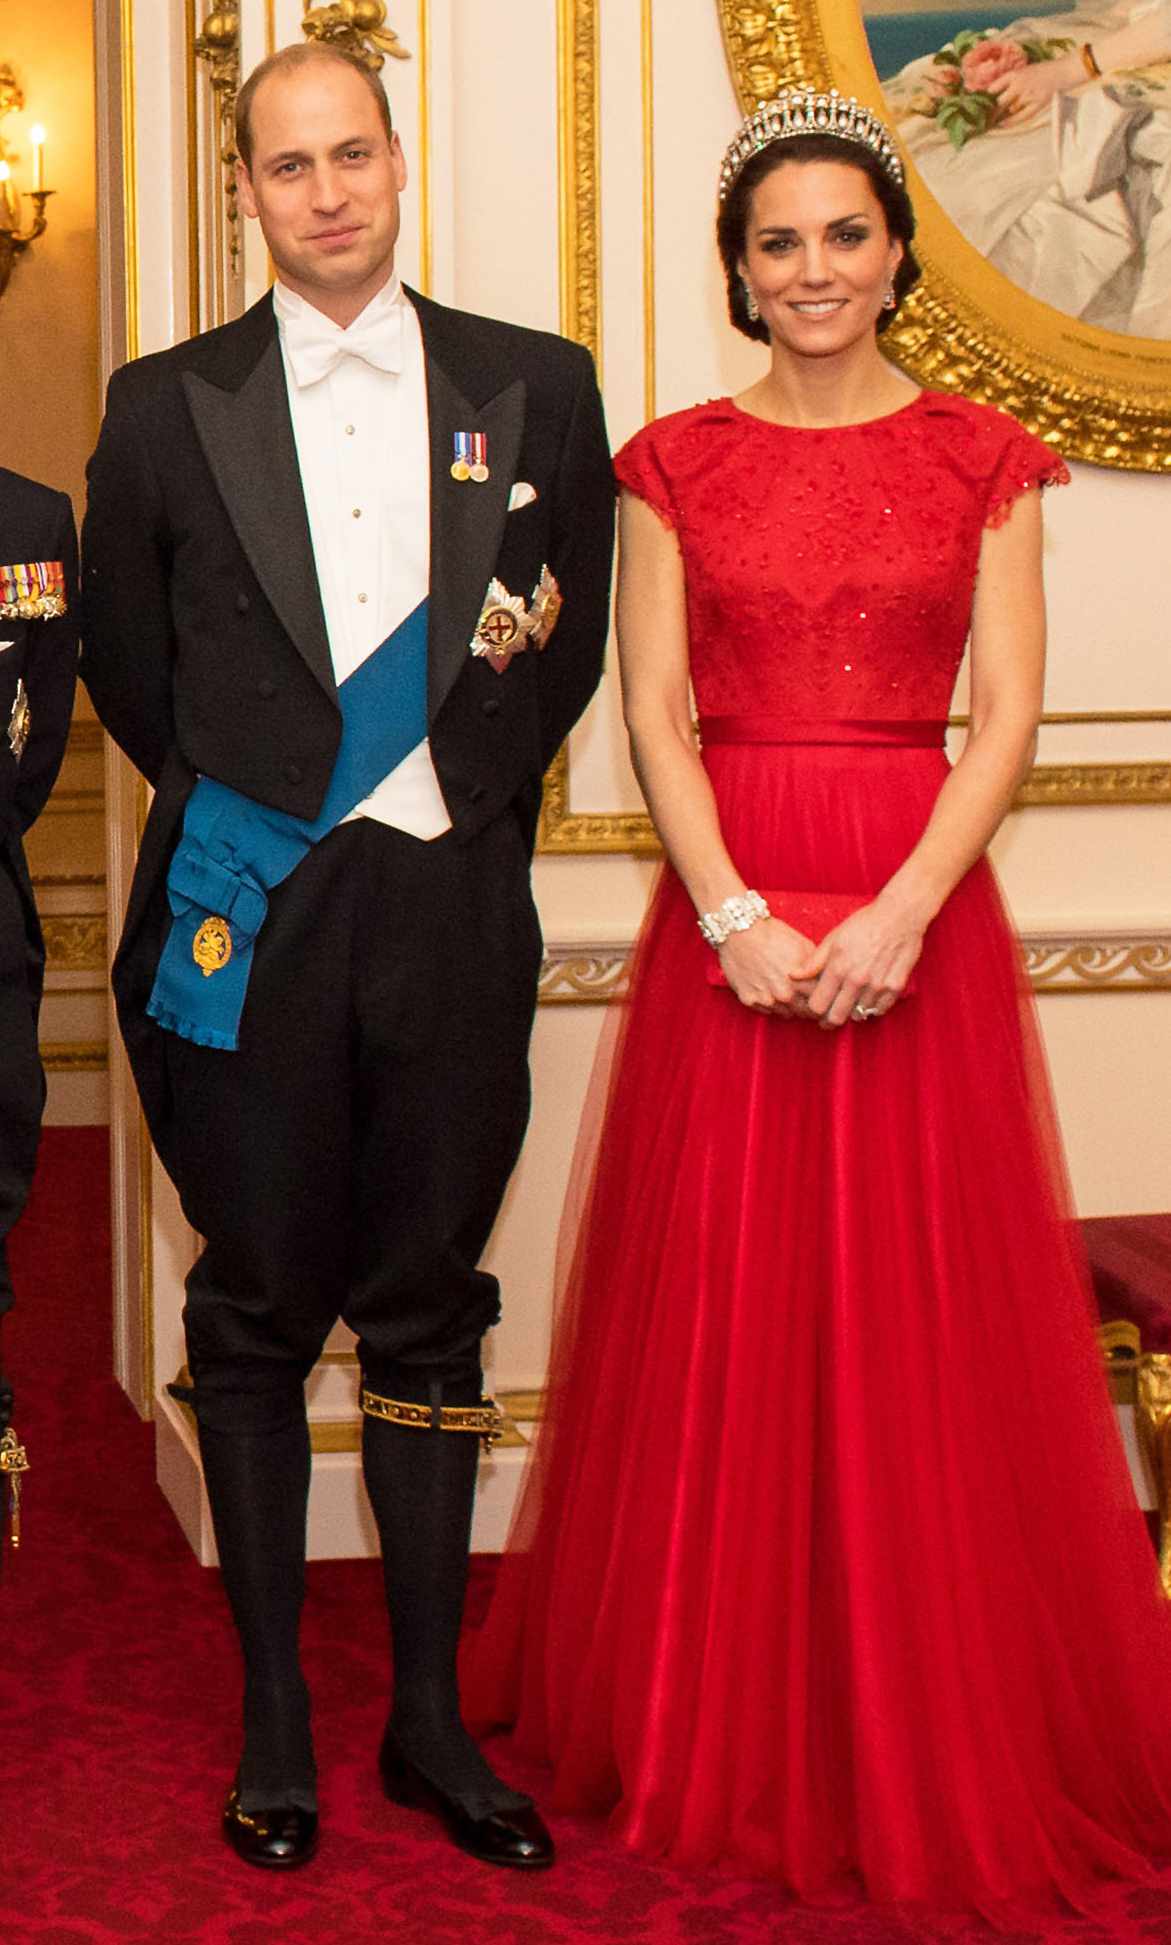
x,y
467,519
241,414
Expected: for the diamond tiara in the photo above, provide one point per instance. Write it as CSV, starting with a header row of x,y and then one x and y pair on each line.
x,y
802,111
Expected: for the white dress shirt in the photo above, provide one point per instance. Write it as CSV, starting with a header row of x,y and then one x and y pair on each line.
x,y
362,443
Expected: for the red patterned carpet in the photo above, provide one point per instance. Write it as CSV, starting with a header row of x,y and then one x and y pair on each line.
x,y
118,1693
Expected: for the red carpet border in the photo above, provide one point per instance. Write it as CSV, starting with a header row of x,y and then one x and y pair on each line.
x,y
119,1696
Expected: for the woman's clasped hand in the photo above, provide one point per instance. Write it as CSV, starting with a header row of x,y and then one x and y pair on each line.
x,y
858,972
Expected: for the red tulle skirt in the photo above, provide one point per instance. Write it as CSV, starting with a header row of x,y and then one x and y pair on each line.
x,y
828,1566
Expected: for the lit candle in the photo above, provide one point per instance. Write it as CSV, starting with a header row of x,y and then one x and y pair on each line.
x,y
36,136
7,206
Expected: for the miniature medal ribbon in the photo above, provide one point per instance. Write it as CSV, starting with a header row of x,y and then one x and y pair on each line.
x,y
32,591
471,457
507,625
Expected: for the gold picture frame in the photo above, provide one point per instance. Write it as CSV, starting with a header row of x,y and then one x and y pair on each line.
x,y
1096,395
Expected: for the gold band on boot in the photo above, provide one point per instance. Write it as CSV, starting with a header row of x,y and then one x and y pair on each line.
x,y
485,1420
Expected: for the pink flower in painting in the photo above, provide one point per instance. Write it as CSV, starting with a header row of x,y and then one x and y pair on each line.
x,y
943,79
989,61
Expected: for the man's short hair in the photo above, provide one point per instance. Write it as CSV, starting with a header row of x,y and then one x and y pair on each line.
x,y
287,60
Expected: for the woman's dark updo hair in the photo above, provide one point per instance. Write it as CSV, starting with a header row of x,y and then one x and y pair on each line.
x,y
732,222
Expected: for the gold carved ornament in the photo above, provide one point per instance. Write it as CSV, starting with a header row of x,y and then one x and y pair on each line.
x,y
13,240
357,27
1153,1419
219,46
1095,395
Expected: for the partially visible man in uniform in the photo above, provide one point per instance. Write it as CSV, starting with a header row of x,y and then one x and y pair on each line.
x,y
347,567
38,671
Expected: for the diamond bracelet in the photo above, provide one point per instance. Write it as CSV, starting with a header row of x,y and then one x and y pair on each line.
x,y
736,914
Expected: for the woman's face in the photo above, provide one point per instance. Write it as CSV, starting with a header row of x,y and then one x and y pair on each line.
x,y
818,255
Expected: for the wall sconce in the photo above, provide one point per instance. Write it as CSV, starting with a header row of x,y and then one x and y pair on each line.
x,y
13,240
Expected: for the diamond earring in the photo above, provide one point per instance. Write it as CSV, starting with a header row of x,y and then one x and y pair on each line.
x,y
890,300
750,303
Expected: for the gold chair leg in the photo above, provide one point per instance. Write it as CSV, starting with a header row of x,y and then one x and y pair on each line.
x,y
1154,1428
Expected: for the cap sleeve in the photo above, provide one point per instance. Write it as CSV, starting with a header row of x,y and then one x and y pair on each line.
x,y
1024,462
639,468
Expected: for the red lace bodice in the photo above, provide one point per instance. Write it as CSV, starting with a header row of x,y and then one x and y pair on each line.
x,y
830,571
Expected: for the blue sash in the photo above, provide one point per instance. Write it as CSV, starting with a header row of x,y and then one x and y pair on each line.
x,y
233,850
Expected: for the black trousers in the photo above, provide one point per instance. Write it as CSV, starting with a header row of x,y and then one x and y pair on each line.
x,y
22,1081
350,1158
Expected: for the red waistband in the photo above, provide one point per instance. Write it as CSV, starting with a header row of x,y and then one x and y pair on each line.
x,y
912,734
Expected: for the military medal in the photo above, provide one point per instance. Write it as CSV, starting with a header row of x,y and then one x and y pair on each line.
x,y
479,466
460,465
32,591
546,606
503,627
20,721
211,947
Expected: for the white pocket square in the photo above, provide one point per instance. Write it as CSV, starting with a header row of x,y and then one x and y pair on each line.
x,y
7,645
522,495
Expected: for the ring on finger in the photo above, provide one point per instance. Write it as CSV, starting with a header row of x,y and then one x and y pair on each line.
x,y
865,1012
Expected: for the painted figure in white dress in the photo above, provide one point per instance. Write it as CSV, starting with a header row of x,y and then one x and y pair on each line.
x,y
1048,143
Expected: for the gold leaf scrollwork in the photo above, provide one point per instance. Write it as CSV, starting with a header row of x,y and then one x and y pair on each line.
x,y
75,942
357,27
943,336
592,974
219,45
1117,965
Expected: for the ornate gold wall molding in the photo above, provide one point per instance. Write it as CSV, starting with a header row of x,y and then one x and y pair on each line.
x,y
74,1057
579,173
601,832
218,45
1107,963
1101,962
1097,783
75,942
585,832
579,223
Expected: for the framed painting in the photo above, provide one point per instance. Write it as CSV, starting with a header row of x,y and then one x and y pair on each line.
x,y
1044,230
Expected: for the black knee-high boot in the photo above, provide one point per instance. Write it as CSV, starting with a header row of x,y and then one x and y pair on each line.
x,y
256,1464
421,1485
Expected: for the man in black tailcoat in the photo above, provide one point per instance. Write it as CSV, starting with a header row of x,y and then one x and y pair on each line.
x,y
346,478
38,671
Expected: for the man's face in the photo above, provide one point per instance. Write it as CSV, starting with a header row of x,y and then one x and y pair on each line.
x,y
325,185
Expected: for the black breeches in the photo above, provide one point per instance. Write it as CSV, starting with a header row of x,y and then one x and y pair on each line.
x,y
349,1160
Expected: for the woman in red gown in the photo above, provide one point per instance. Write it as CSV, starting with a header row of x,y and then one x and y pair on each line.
x,y
829,1565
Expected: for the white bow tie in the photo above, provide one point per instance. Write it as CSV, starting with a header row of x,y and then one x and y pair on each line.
x,y
314,350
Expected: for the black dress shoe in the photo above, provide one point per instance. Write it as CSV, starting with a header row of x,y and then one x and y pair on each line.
x,y
514,1835
278,1840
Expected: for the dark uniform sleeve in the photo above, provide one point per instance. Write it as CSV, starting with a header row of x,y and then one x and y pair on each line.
x,y
50,677
127,654
582,555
